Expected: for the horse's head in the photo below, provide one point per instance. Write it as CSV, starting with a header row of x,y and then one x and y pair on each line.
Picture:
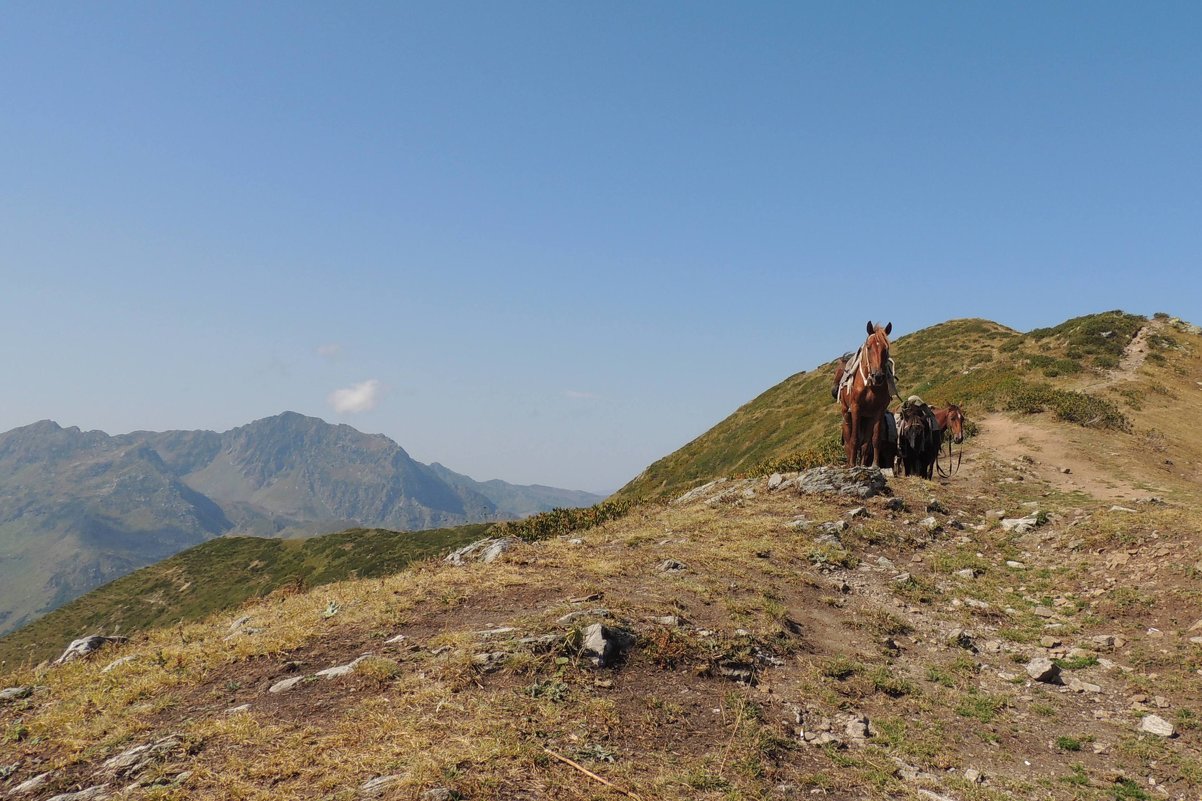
x,y
955,422
876,352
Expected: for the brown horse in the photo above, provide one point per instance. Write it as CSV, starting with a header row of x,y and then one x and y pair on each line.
x,y
951,418
951,421
864,394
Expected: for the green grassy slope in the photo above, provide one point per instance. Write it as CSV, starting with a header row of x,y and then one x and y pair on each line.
x,y
977,363
221,574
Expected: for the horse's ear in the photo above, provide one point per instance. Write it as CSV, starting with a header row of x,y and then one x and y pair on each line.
x,y
870,328
888,328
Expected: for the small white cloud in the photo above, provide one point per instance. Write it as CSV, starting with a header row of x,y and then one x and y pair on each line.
x,y
331,350
576,394
361,397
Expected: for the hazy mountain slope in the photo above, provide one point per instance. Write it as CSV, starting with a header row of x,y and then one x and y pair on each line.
x,y
220,575
78,509
301,470
977,363
182,452
518,500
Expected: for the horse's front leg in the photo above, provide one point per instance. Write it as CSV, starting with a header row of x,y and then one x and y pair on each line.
x,y
848,443
877,433
851,425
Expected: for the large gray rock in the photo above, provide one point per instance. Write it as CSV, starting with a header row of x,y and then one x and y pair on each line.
x,y
1154,724
341,670
116,663
857,482
438,794
1044,670
379,785
604,645
856,726
285,685
486,550
1082,686
31,785
698,492
1020,525
134,760
85,647
97,793
15,693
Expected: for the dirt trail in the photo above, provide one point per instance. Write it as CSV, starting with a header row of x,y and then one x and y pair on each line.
x,y
1045,450
1132,359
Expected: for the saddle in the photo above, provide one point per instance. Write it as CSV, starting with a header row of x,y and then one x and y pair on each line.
x,y
848,371
851,363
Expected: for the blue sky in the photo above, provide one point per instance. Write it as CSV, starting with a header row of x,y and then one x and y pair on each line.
x,y
551,242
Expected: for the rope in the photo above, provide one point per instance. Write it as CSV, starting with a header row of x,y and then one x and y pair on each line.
x,y
951,471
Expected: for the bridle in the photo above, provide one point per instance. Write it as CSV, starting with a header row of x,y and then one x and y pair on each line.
x,y
886,363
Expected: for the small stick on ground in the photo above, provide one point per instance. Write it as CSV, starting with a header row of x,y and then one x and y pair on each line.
x,y
730,742
591,775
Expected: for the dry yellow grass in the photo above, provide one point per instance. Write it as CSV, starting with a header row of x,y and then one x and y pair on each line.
x,y
431,718
826,629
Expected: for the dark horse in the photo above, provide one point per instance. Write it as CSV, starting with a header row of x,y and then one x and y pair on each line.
x,y
918,439
864,391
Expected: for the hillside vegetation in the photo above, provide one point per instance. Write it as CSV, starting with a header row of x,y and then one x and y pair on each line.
x,y
1030,629
978,364
221,575
80,508
769,660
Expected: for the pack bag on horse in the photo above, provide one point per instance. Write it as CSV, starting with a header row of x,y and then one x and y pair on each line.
x,y
864,385
919,438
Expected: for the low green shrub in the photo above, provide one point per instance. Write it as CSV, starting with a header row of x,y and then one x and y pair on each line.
x,y
559,522
1070,406
1052,367
828,451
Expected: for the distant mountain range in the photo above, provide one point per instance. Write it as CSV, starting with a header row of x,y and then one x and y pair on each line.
x,y
80,508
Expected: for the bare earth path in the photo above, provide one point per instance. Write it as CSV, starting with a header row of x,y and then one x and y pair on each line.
x,y
1046,449
1051,449
1132,359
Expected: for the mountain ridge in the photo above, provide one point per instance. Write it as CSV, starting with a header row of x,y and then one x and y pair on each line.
x,y
79,508
977,363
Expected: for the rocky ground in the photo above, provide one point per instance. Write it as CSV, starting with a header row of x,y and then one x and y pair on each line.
x,y
783,637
